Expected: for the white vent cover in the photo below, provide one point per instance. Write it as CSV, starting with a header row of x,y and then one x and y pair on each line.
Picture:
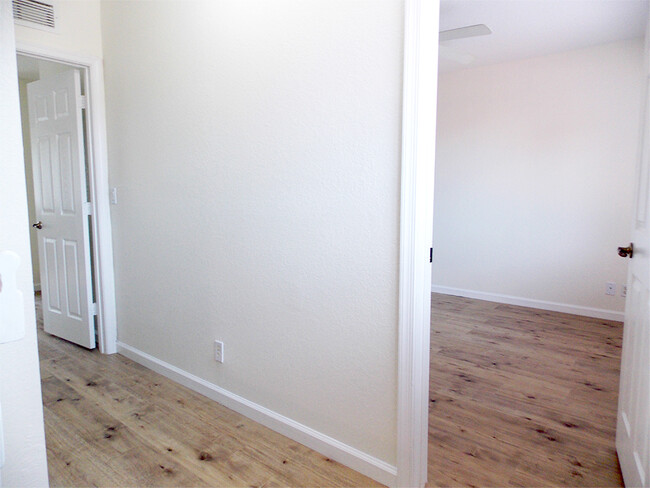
x,y
35,13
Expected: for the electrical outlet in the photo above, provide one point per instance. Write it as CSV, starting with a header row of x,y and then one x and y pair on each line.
x,y
218,351
610,288
623,291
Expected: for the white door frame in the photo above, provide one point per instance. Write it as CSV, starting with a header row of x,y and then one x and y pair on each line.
x,y
416,230
102,242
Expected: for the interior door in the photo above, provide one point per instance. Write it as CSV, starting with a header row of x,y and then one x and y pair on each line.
x,y
62,209
632,430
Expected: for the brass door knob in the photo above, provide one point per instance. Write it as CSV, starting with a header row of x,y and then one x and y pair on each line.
x,y
38,225
625,252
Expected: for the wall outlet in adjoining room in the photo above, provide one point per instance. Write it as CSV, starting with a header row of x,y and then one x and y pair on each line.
x,y
610,288
623,291
218,351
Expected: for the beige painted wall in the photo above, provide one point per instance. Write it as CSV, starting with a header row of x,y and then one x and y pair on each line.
x,y
535,175
79,29
20,388
256,149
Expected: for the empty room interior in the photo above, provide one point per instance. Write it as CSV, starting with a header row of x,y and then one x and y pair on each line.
x,y
209,202
536,153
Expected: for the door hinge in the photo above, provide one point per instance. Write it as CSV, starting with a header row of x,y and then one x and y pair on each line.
x,y
93,308
88,208
83,101
431,255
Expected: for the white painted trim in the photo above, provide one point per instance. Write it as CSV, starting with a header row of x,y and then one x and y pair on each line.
x,y
598,313
416,222
98,177
344,454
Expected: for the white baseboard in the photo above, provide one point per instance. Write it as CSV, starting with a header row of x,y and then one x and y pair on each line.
x,y
598,313
349,456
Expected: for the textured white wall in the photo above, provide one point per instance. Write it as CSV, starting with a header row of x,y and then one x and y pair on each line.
x,y
79,29
256,149
535,175
20,388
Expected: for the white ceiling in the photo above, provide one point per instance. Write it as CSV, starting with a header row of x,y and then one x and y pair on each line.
x,y
528,28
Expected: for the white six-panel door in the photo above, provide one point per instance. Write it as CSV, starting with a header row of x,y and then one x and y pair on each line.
x,y
633,423
57,140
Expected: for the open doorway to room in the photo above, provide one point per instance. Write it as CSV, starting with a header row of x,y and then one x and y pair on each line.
x,y
55,139
537,121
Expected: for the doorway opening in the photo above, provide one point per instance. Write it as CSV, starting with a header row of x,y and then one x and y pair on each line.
x,y
55,145
77,188
515,380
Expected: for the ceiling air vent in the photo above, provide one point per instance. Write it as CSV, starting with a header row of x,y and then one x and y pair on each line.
x,y
35,13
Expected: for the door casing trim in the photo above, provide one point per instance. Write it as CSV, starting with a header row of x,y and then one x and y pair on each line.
x,y
420,88
102,242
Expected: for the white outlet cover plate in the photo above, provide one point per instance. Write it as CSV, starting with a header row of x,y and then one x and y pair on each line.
x,y
218,351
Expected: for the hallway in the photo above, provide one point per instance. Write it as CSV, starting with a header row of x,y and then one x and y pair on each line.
x,y
112,422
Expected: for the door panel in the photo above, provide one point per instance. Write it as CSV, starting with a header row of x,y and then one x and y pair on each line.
x,y
70,260
632,430
633,423
46,176
60,193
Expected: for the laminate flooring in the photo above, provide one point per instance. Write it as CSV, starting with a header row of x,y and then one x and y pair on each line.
x,y
110,422
521,397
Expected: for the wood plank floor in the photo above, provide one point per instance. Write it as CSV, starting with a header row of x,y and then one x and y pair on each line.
x,y
521,397
111,422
